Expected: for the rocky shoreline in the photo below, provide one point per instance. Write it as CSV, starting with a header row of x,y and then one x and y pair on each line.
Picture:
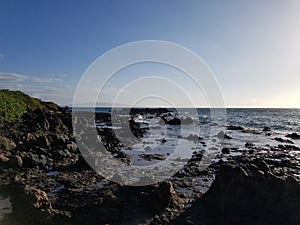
x,y
43,175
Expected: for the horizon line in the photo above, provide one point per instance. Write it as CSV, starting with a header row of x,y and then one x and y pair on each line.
x,y
189,107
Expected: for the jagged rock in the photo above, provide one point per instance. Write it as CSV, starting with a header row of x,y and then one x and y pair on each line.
x,y
192,137
174,121
52,106
283,140
162,140
121,155
256,197
232,127
19,161
3,158
14,162
43,141
72,146
226,150
29,160
289,147
124,157
136,128
293,136
6,143
166,195
40,198
30,206
249,144
267,129
223,135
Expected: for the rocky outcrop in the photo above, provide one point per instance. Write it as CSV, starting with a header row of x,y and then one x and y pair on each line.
x,y
43,139
247,195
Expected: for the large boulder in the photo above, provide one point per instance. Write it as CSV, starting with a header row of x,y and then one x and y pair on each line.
x,y
247,196
31,206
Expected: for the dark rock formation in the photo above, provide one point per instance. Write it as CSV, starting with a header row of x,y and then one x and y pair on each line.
x,y
223,135
6,143
267,129
232,127
283,140
249,144
192,137
247,195
293,136
151,157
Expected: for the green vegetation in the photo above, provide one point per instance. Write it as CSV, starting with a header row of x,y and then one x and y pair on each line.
x,y
13,105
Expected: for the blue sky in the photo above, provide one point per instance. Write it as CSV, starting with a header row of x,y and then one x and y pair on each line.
x,y
251,46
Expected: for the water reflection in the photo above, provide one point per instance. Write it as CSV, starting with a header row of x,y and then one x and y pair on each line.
x,y
16,208
5,207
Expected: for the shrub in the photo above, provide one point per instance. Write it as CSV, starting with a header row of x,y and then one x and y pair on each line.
x,y
14,104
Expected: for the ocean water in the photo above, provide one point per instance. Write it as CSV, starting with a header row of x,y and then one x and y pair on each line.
x,y
275,118
278,119
207,124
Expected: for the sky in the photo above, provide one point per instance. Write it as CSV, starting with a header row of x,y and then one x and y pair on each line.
x,y
252,46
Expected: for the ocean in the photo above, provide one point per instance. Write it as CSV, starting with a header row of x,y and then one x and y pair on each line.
x,y
284,120
280,121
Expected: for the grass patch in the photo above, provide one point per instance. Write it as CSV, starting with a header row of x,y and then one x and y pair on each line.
x,y
14,104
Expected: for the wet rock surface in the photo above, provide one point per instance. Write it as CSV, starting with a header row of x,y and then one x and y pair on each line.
x,y
44,175
293,136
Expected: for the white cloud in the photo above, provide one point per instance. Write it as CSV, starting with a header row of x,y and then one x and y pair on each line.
x,y
20,78
12,77
46,88
53,80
